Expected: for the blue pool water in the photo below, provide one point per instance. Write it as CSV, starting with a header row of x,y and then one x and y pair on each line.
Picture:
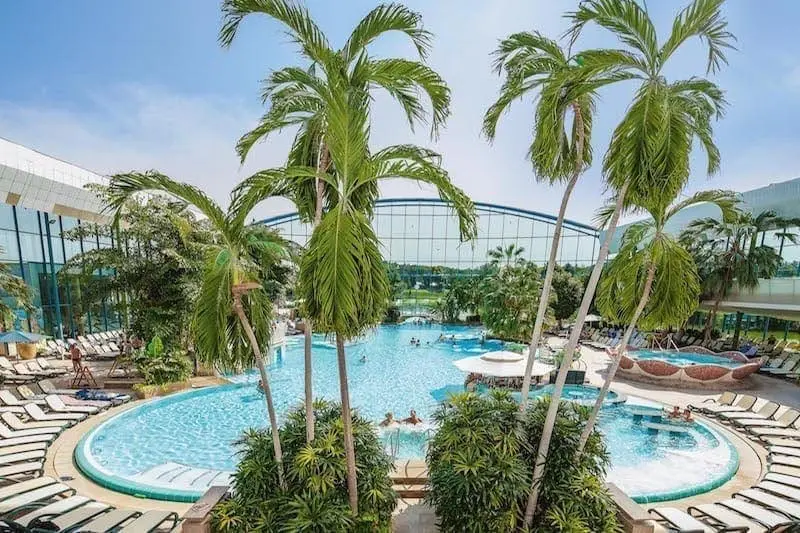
x,y
684,358
197,428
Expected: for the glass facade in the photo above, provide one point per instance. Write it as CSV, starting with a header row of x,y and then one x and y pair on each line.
x,y
33,247
421,238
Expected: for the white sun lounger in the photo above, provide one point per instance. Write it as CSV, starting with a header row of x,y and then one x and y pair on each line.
x,y
14,422
680,521
766,499
8,433
56,404
790,481
784,450
35,412
27,498
718,514
765,412
29,468
22,457
785,421
4,442
68,521
757,513
109,521
150,521
790,493
56,508
9,399
14,489
743,404
791,432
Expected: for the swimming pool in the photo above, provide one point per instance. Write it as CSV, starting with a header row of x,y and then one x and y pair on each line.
x,y
684,358
173,447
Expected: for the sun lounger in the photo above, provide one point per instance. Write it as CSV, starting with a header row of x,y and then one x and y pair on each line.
x,y
784,450
29,468
23,370
6,398
109,521
765,412
790,493
27,393
25,499
37,414
11,377
722,517
780,505
786,420
8,433
48,388
788,365
22,457
783,479
726,398
755,512
68,521
681,521
14,422
6,442
56,404
790,432
150,521
743,404
36,369
20,448
44,364
56,508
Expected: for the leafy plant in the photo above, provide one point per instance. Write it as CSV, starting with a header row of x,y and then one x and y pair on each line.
x,y
316,497
158,366
155,347
510,297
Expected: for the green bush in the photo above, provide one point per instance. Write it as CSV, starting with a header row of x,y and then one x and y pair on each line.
x,y
476,469
481,460
158,366
316,495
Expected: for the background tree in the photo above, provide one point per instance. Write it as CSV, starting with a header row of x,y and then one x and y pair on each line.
x,y
728,252
300,97
640,285
505,257
509,301
568,291
651,147
233,313
15,292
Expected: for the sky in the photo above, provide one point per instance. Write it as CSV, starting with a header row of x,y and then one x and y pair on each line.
x,y
143,84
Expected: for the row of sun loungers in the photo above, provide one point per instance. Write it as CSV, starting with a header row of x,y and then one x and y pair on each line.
x,y
784,365
30,501
772,504
92,344
601,339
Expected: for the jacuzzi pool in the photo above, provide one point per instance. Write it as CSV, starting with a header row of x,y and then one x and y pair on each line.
x,y
174,447
691,365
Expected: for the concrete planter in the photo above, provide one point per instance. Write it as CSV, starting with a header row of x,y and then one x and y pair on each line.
x,y
144,392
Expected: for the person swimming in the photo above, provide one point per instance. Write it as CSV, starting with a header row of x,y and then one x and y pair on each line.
x,y
412,419
687,415
363,359
388,421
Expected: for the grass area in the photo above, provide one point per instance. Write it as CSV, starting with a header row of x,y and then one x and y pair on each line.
x,y
420,294
757,335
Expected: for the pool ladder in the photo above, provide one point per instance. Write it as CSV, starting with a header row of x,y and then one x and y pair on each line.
x,y
394,442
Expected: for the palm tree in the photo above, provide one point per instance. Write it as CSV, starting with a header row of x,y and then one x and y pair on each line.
x,y
506,257
727,251
645,267
342,280
559,151
299,97
650,148
14,288
232,305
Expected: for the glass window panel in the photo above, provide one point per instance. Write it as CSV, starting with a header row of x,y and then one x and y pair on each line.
x,y
31,247
8,246
67,223
6,217
28,220
410,225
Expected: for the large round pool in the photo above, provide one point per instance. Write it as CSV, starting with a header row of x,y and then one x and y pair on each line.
x,y
175,447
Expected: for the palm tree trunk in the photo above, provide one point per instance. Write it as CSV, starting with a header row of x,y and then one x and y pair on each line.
x,y
566,363
737,330
544,298
307,359
262,369
347,422
623,345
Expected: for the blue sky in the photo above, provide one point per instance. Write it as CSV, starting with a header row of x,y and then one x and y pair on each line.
x,y
124,85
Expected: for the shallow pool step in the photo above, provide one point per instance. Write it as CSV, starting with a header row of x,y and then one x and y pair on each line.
x,y
182,477
670,428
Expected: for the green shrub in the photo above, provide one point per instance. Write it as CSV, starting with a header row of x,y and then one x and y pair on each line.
x,y
480,464
316,495
158,366
573,495
476,469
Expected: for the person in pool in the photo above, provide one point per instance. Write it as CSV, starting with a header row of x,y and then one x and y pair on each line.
x,y
687,415
413,419
388,421
675,413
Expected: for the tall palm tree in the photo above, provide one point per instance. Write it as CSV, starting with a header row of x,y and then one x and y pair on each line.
x,y
639,285
650,148
559,152
232,306
506,257
342,280
297,97
728,252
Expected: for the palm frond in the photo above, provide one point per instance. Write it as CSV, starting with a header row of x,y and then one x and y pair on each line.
x,y
385,18
702,19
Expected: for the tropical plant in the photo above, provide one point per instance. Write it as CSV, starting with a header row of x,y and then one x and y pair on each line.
x,y
300,97
479,467
640,286
508,301
315,499
233,313
650,149
15,289
727,252
505,257
568,290
559,151
476,470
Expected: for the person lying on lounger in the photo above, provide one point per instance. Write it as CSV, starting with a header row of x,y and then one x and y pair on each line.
x,y
412,419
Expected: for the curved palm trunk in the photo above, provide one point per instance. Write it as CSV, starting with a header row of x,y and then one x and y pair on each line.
x,y
347,422
623,345
737,330
566,363
262,369
544,298
307,359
